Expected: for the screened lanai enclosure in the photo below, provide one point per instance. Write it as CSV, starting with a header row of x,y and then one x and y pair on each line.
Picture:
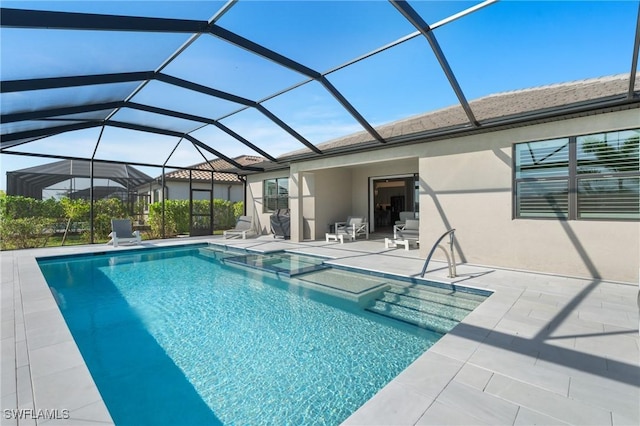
x,y
162,86
75,178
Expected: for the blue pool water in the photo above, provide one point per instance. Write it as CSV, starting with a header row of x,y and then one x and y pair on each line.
x,y
174,337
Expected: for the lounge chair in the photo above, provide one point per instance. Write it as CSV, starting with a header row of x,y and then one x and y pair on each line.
x,y
122,232
409,231
403,216
353,227
242,229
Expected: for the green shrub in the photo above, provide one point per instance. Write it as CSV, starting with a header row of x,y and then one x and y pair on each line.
x,y
103,212
75,210
238,210
18,207
177,212
27,222
176,218
25,232
225,214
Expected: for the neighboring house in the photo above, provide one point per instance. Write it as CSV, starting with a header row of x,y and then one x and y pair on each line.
x,y
548,181
179,183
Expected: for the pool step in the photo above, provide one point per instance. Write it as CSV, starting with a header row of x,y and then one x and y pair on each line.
x,y
216,253
447,291
426,306
412,316
454,299
439,310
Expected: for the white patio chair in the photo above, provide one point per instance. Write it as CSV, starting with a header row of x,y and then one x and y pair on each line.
x,y
242,229
122,232
353,227
403,216
409,231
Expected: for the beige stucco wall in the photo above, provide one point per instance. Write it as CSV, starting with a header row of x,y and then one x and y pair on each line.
x,y
396,164
466,183
331,194
254,199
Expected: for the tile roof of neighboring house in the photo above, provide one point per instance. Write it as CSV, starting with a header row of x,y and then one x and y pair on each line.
x,y
489,109
217,164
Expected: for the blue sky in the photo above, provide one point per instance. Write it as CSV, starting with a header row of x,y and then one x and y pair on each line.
x,y
505,46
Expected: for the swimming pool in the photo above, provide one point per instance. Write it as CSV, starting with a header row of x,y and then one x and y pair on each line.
x,y
178,336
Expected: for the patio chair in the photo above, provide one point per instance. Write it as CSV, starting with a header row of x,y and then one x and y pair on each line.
x,y
122,232
353,227
409,231
403,216
242,229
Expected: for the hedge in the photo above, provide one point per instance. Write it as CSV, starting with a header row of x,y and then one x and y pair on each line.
x,y
27,222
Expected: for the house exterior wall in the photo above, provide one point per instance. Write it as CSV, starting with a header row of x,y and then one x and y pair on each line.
x,y
254,204
342,191
391,167
333,201
466,184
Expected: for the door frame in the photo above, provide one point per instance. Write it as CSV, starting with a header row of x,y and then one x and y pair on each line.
x,y
372,204
195,232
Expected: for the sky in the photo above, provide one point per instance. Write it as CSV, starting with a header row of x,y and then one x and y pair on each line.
x,y
505,46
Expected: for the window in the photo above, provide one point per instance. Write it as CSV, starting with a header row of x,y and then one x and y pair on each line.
x,y
585,177
276,194
542,185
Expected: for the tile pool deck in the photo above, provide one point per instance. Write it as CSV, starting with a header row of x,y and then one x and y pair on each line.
x,y
543,349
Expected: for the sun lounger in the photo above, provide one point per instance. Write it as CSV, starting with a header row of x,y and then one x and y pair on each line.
x,y
242,229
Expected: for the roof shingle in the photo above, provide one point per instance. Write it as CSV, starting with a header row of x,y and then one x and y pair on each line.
x,y
488,109
215,164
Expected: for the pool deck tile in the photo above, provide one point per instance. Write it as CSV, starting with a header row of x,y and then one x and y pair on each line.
x,y
442,415
474,376
527,417
395,404
488,408
524,394
430,374
542,349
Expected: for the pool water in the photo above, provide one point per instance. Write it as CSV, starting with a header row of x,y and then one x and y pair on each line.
x,y
289,264
176,337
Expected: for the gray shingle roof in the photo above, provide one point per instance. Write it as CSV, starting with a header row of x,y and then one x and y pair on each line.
x,y
488,109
